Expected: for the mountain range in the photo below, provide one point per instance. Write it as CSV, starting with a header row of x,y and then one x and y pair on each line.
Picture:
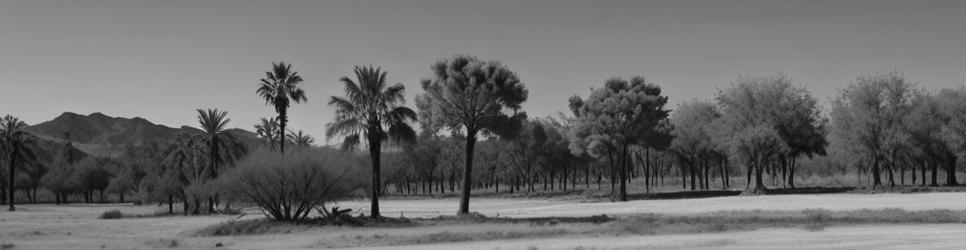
x,y
103,135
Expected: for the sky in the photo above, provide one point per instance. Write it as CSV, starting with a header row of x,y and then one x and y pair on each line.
x,y
161,60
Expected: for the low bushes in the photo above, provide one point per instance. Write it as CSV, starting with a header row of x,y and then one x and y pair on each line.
x,y
289,187
112,214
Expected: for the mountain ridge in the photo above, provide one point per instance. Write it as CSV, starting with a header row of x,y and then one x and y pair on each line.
x,y
100,134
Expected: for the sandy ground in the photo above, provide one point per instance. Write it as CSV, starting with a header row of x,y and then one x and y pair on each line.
x,y
545,208
866,237
77,226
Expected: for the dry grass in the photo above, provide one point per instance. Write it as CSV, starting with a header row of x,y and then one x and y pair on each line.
x,y
480,228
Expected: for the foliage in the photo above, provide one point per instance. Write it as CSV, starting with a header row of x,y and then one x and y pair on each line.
x,y
612,118
472,96
280,88
268,131
768,122
300,139
866,121
289,188
111,214
17,149
373,111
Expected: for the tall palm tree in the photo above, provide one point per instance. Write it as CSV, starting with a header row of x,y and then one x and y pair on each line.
x,y
17,147
373,110
222,148
268,131
279,88
300,139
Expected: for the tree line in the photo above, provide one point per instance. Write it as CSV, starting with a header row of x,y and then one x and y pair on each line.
x,y
474,135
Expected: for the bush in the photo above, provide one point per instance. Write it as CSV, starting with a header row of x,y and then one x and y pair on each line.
x,y
289,187
112,214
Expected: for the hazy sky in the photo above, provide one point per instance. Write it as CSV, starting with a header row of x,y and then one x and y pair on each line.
x,y
161,60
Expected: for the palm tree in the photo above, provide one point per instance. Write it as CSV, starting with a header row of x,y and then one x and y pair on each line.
x,y
372,110
17,147
268,131
300,139
279,88
221,147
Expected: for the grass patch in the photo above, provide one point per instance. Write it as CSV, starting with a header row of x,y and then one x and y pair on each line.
x,y
268,226
112,214
443,229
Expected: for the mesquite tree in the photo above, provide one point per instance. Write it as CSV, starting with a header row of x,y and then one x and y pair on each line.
x,y
472,96
613,118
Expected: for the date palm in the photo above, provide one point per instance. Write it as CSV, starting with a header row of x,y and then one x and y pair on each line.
x,y
280,88
300,139
374,111
16,147
221,147
268,131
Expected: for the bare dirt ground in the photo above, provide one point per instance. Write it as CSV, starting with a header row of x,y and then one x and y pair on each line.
x,y
548,208
77,226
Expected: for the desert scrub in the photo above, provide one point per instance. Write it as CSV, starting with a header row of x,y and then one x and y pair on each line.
x,y
112,214
289,187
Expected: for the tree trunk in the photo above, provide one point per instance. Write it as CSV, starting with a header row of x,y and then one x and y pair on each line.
x,y
467,172
951,172
759,184
923,174
935,172
282,120
876,180
791,172
170,204
374,155
623,176
11,199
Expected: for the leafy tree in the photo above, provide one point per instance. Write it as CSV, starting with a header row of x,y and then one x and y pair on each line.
x,y
279,88
472,96
802,127
17,148
375,111
300,139
613,118
751,110
268,131
866,120
953,106
924,127
695,131
93,174
122,183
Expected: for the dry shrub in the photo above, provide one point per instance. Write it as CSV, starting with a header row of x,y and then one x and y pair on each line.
x,y
288,187
112,214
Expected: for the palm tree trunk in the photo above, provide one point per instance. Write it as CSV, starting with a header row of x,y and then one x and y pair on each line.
x,y
282,120
374,154
11,188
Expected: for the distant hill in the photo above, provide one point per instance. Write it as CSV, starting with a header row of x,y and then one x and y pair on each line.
x,y
99,134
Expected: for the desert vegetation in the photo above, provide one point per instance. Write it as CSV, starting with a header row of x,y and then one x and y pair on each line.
x,y
469,134
765,132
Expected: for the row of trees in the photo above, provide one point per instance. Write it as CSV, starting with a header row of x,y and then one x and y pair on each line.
x,y
885,123
880,124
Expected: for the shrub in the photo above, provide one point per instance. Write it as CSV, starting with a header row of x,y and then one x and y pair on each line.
x,y
112,214
288,187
